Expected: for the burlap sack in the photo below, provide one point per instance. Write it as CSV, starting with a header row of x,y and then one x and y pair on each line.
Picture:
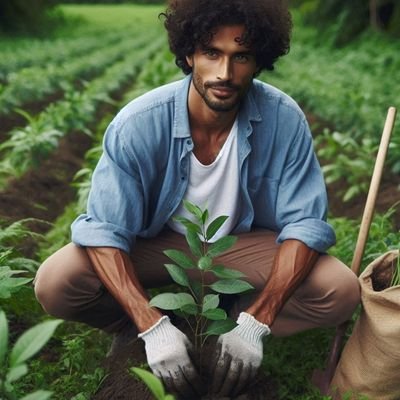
x,y
370,362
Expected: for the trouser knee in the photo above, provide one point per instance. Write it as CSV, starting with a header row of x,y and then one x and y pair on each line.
x,y
66,283
50,293
346,296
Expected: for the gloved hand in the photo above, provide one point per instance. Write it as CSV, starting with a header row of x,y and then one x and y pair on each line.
x,y
167,350
239,355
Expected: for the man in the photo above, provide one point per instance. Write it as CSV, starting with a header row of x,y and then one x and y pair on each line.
x,y
221,139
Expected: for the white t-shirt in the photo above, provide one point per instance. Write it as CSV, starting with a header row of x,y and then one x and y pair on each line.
x,y
214,187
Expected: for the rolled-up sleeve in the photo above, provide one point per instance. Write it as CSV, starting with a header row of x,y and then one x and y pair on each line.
x,y
302,199
115,207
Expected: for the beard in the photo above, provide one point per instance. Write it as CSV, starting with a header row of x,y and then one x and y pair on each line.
x,y
215,103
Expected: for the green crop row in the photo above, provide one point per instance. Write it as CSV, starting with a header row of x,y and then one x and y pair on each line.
x,y
52,52
34,84
27,146
351,87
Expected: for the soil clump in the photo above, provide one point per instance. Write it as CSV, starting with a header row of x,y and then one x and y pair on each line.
x,y
120,384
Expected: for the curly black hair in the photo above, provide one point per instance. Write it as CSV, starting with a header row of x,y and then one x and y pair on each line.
x,y
192,23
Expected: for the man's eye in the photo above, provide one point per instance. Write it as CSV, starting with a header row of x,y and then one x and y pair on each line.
x,y
241,58
211,53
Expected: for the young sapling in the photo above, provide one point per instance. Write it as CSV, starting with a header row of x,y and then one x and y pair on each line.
x,y
199,303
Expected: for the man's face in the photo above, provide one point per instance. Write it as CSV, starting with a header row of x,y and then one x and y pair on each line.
x,y
224,69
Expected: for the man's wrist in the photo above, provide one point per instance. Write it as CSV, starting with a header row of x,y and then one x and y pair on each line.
x,y
250,328
159,329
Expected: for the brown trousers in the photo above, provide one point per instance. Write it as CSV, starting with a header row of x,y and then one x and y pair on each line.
x,y
68,288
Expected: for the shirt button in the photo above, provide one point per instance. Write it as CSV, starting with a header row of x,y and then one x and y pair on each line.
x,y
189,141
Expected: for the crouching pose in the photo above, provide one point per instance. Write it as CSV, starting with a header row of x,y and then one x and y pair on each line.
x,y
223,140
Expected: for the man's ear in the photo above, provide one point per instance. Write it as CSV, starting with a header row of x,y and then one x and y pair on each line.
x,y
189,60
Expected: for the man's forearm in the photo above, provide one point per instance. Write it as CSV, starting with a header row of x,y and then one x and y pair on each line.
x,y
116,271
292,264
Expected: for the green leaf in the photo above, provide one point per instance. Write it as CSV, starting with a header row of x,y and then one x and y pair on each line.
x,y
210,302
193,209
216,314
351,192
190,309
171,301
196,288
38,395
153,383
204,263
215,226
185,299
31,341
3,336
166,301
220,327
16,372
9,284
221,245
194,243
178,274
204,216
231,286
180,258
226,273
189,225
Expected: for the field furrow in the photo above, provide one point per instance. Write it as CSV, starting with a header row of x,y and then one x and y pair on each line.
x,y
27,146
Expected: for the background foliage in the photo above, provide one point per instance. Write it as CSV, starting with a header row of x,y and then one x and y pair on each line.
x,y
343,20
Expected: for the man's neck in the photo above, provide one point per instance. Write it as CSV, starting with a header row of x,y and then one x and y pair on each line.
x,y
207,121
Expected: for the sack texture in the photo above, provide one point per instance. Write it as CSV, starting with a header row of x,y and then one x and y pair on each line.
x,y
370,362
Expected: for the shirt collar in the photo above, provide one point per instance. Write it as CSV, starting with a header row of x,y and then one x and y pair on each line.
x,y
181,124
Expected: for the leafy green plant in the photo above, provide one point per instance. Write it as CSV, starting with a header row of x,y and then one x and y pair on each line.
x,y
13,362
346,158
10,262
28,146
201,300
8,282
153,383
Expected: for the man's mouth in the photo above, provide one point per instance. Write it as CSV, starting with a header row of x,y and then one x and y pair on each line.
x,y
222,90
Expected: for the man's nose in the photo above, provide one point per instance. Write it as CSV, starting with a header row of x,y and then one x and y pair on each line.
x,y
225,69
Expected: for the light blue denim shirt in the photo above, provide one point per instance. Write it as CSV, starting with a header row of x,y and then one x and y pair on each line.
x,y
143,173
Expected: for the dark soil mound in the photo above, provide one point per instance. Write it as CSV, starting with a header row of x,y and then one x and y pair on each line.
x,y
120,384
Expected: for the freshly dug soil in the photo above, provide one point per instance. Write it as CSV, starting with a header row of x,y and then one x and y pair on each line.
x,y
120,384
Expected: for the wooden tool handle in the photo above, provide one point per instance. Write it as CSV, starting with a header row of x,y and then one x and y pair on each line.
x,y
373,191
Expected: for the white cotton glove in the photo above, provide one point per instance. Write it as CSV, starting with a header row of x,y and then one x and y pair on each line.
x,y
239,355
167,350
